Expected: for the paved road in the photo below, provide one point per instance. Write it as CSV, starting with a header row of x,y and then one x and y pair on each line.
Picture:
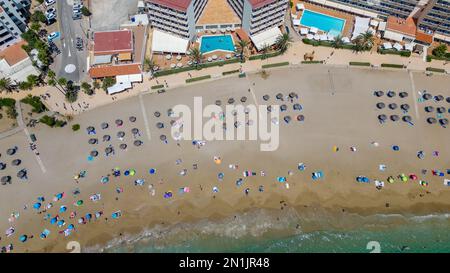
x,y
71,63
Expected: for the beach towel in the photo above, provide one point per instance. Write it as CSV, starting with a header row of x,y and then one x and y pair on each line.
x,y
447,182
248,173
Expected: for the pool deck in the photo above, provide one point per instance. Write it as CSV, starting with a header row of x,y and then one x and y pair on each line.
x,y
349,19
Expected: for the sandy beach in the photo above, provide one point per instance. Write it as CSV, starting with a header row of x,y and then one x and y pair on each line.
x,y
340,112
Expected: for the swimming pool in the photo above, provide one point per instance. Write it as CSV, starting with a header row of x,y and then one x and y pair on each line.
x,y
322,22
216,42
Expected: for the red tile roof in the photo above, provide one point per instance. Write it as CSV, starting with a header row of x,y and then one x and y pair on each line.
x,y
180,5
14,53
260,3
403,26
114,70
113,42
423,37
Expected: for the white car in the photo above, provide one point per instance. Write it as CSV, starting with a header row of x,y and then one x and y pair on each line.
x,y
50,11
49,2
77,6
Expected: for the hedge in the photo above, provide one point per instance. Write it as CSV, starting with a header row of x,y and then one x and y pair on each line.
x,y
198,78
230,72
312,62
52,121
264,56
159,86
75,127
403,53
432,69
7,102
359,64
35,102
445,58
242,75
325,43
198,67
393,65
274,65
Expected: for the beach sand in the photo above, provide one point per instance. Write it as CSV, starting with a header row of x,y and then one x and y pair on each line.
x,y
339,109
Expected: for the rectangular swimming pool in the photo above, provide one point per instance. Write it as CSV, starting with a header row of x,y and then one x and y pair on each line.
x,y
216,42
322,22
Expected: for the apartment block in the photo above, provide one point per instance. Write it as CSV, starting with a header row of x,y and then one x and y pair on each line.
x,y
435,18
384,8
13,14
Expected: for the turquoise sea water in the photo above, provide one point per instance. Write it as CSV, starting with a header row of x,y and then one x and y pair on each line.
x,y
322,21
262,232
216,42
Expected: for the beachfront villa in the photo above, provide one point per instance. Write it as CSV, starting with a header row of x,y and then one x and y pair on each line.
x,y
15,63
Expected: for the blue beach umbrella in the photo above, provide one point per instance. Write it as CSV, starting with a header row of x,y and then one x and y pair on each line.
x,y
37,205
23,238
61,223
104,179
220,176
395,148
41,199
70,227
59,196
127,173
152,171
88,216
53,220
63,209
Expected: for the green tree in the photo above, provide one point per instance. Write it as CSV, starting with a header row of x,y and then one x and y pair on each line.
x,y
38,16
85,11
242,45
337,42
149,65
35,26
87,88
264,51
6,85
440,51
33,80
283,42
108,82
25,86
196,56
365,41
96,85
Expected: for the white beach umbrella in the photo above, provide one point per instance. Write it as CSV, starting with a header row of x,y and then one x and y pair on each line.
x,y
309,36
387,45
398,46
173,65
409,47
168,56
304,31
313,30
323,37
346,40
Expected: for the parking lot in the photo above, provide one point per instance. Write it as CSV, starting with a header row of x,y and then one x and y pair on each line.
x,y
109,14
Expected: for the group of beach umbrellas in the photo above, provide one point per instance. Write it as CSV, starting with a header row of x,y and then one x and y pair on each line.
x,y
440,110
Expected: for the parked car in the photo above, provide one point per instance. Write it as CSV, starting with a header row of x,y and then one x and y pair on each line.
x,y
50,11
52,36
49,2
79,43
77,6
76,16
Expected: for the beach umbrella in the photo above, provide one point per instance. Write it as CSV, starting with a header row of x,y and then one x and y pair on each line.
x,y
22,174
119,122
94,153
441,110
104,179
11,151
108,150
395,148
79,202
37,205
90,129
106,137
168,194
60,223
16,162
447,99
293,95
380,105
266,97
123,146
379,93
279,96
429,109
23,238
135,131
431,120
62,209
392,106
2,166
104,125
407,118
283,107
443,121
6,179
53,220
427,96
269,108
403,94
137,143
438,98
391,94
297,107
287,119
243,99
152,171
132,118
404,107
300,117
230,100
59,196
92,141
157,114
382,117
159,125
71,227
218,102
120,134
394,117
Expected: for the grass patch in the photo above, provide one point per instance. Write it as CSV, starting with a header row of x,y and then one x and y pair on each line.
x,y
159,86
433,69
393,65
7,102
359,63
36,103
326,44
265,56
275,65
198,79
198,67
312,62
230,72
75,127
403,53
52,121
242,75
445,58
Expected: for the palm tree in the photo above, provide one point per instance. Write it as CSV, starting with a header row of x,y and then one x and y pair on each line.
x,y
149,65
365,40
283,42
6,85
242,45
33,80
51,74
195,56
62,82
87,88
337,42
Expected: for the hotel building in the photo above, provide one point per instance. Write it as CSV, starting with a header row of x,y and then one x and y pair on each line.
x,y
13,15
435,17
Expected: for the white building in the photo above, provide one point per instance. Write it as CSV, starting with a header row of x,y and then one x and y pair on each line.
x,y
15,63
